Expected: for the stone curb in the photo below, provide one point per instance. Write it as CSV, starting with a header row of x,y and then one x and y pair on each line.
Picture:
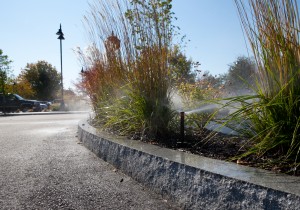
x,y
191,181
42,113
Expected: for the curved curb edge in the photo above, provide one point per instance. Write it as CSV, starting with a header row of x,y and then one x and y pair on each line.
x,y
191,181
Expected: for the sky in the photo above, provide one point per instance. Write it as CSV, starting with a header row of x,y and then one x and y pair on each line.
x,y
213,33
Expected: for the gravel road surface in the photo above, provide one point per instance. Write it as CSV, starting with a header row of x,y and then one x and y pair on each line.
x,y
44,166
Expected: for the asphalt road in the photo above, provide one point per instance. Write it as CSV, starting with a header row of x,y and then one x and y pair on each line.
x,y
44,166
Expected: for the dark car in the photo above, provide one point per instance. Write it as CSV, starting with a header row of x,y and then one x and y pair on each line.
x,y
14,102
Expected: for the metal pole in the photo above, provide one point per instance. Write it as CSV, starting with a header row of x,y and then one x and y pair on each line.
x,y
62,105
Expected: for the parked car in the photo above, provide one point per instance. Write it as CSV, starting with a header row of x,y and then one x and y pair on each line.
x,y
45,104
13,102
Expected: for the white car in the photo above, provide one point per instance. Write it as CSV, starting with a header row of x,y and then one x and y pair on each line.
x,y
43,106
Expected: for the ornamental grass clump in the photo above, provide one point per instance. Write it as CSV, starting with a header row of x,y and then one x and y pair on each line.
x,y
129,80
271,117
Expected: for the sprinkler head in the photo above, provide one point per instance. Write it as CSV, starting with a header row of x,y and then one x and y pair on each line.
x,y
182,126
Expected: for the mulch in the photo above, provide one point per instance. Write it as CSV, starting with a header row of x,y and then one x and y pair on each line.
x,y
223,147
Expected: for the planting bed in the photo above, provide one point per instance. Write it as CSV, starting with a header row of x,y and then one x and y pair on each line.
x,y
219,146
223,147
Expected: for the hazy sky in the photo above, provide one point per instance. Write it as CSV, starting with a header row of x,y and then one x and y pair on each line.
x,y
28,33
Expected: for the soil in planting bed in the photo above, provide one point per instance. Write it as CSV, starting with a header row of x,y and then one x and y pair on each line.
x,y
219,146
223,147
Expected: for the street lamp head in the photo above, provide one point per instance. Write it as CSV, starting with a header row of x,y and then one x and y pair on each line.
x,y
112,43
61,37
60,33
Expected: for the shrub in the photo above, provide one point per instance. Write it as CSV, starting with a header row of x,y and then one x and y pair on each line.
x,y
129,81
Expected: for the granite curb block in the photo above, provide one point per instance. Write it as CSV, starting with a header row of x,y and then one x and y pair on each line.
x,y
42,113
191,181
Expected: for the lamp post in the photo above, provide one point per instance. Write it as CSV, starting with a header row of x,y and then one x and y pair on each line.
x,y
112,43
14,87
82,74
61,37
112,46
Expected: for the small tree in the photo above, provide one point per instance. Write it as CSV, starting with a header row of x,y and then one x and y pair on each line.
x,y
241,75
43,79
4,70
181,67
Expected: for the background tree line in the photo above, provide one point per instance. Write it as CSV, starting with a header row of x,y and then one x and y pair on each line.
x,y
41,80
38,80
